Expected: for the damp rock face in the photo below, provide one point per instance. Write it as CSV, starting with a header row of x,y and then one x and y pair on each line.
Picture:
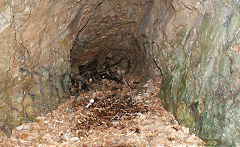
x,y
194,43
36,39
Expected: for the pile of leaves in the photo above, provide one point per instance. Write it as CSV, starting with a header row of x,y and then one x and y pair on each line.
x,y
108,107
105,93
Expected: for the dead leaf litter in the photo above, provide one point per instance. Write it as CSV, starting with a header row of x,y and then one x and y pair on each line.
x,y
109,113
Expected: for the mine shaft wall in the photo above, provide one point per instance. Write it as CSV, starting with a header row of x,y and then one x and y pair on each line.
x,y
36,39
194,43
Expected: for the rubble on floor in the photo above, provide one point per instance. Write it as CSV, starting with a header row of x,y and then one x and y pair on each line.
x,y
113,114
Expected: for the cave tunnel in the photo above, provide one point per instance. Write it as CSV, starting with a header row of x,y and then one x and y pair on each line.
x,y
119,72
110,41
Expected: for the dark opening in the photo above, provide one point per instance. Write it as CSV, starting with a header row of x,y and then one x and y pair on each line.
x,y
108,48
109,55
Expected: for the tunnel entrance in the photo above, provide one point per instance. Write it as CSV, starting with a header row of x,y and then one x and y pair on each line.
x,y
109,72
112,49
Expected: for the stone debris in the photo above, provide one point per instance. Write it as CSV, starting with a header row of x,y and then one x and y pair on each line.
x,y
119,115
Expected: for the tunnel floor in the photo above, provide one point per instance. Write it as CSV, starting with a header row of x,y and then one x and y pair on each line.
x,y
107,111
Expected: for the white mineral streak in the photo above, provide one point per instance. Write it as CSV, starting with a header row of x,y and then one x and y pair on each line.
x,y
5,17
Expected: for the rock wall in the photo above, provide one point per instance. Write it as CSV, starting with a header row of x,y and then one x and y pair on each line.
x,y
36,38
196,44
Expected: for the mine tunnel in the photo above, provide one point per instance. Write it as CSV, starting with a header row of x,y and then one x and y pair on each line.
x,y
109,48
119,73
110,69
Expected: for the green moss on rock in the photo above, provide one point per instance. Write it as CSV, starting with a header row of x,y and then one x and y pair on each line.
x,y
185,116
201,89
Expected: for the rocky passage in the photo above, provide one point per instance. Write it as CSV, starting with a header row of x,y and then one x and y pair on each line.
x,y
108,107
